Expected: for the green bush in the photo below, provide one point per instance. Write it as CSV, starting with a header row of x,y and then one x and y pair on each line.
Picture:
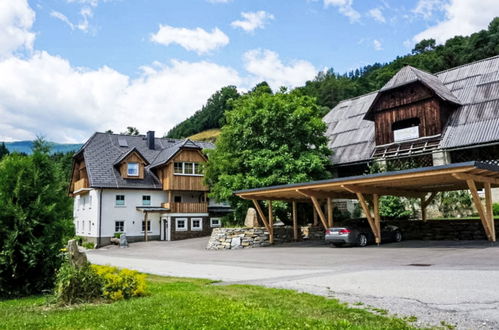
x,y
88,245
120,284
495,208
393,207
77,284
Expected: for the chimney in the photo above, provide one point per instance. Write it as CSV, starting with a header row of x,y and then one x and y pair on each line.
x,y
150,140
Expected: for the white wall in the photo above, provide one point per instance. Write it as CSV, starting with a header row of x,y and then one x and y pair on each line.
x,y
128,213
86,213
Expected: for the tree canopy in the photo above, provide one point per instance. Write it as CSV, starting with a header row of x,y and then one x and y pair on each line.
x,y
268,139
35,218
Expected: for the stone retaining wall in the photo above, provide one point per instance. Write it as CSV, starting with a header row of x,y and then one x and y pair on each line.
x,y
237,238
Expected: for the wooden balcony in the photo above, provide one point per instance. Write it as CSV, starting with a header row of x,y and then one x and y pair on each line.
x,y
186,207
80,184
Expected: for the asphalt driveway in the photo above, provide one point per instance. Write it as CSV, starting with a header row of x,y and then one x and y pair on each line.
x,y
455,282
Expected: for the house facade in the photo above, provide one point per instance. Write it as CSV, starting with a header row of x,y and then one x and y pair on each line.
x,y
419,119
149,188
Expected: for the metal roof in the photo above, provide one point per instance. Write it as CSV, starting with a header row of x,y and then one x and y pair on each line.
x,y
102,151
475,86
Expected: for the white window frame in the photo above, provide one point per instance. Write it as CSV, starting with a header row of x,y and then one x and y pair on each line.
x,y
194,166
118,231
116,200
150,200
200,228
89,227
128,169
144,224
217,225
83,226
89,202
177,220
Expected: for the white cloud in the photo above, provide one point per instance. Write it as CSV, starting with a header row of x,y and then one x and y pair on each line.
x,y
462,17
86,13
266,65
198,40
426,8
345,8
253,20
16,19
377,45
46,95
377,14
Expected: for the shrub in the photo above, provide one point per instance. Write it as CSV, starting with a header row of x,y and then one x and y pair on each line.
x,y
495,208
77,284
88,245
393,207
120,283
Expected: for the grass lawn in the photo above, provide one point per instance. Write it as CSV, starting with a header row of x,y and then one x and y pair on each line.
x,y
177,303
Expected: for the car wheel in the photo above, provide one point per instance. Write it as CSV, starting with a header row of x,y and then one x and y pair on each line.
x,y
398,236
338,244
362,240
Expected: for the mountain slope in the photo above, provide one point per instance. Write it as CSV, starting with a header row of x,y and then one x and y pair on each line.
x,y
25,147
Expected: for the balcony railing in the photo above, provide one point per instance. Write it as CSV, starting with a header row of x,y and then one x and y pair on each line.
x,y
82,183
186,207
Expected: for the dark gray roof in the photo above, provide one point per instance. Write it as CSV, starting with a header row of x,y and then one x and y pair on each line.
x,y
102,151
166,154
475,86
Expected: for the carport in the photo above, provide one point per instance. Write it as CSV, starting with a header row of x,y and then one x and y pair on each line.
x,y
422,183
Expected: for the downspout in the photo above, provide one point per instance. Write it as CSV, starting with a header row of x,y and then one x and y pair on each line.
x,y
100,219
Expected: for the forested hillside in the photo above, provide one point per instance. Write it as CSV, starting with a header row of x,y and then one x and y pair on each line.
x,y
330,87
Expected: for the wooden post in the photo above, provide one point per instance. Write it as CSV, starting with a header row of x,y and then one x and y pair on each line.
x,y
271,223
317,207
377,219
261,214
330,212
145,226
295,222
489,210
424,205
480,209
316,221
370,218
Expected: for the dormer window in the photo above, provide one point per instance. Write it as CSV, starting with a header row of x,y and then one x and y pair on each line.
x,y
133,169
187,168
406,129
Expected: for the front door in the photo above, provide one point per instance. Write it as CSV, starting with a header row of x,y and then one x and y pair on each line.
x,y
166,230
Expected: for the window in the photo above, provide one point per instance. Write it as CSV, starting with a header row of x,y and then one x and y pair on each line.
x,y
148,226
120,200
89,226
89,202
84,202
146,200
187,168
77,226
406,129
82,226
177,199
178,168
133,169
119,226
198,169
181,224
215,222
196,224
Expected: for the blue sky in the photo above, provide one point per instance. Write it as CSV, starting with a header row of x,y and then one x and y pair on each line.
x,y
72,67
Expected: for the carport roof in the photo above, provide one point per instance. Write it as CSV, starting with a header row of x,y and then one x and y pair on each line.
x,y
408,183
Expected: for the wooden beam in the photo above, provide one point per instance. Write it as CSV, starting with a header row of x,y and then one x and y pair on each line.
x,y
370,218
295,222
330,212
377,219
271,223
383,191
261,214
489,211
324,194
480,208
425,203
476,178
318,209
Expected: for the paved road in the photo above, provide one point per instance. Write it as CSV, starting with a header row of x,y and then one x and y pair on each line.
x,y
458,285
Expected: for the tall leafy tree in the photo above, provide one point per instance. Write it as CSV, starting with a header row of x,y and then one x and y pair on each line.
x,y
269,139
3,150
130,131
35,218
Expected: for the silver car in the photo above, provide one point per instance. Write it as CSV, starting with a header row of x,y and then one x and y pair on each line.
x,y
358,232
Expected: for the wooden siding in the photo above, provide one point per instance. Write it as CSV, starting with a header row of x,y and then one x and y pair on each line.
x,y
132,158
186,207
171,181
413,101
79,177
